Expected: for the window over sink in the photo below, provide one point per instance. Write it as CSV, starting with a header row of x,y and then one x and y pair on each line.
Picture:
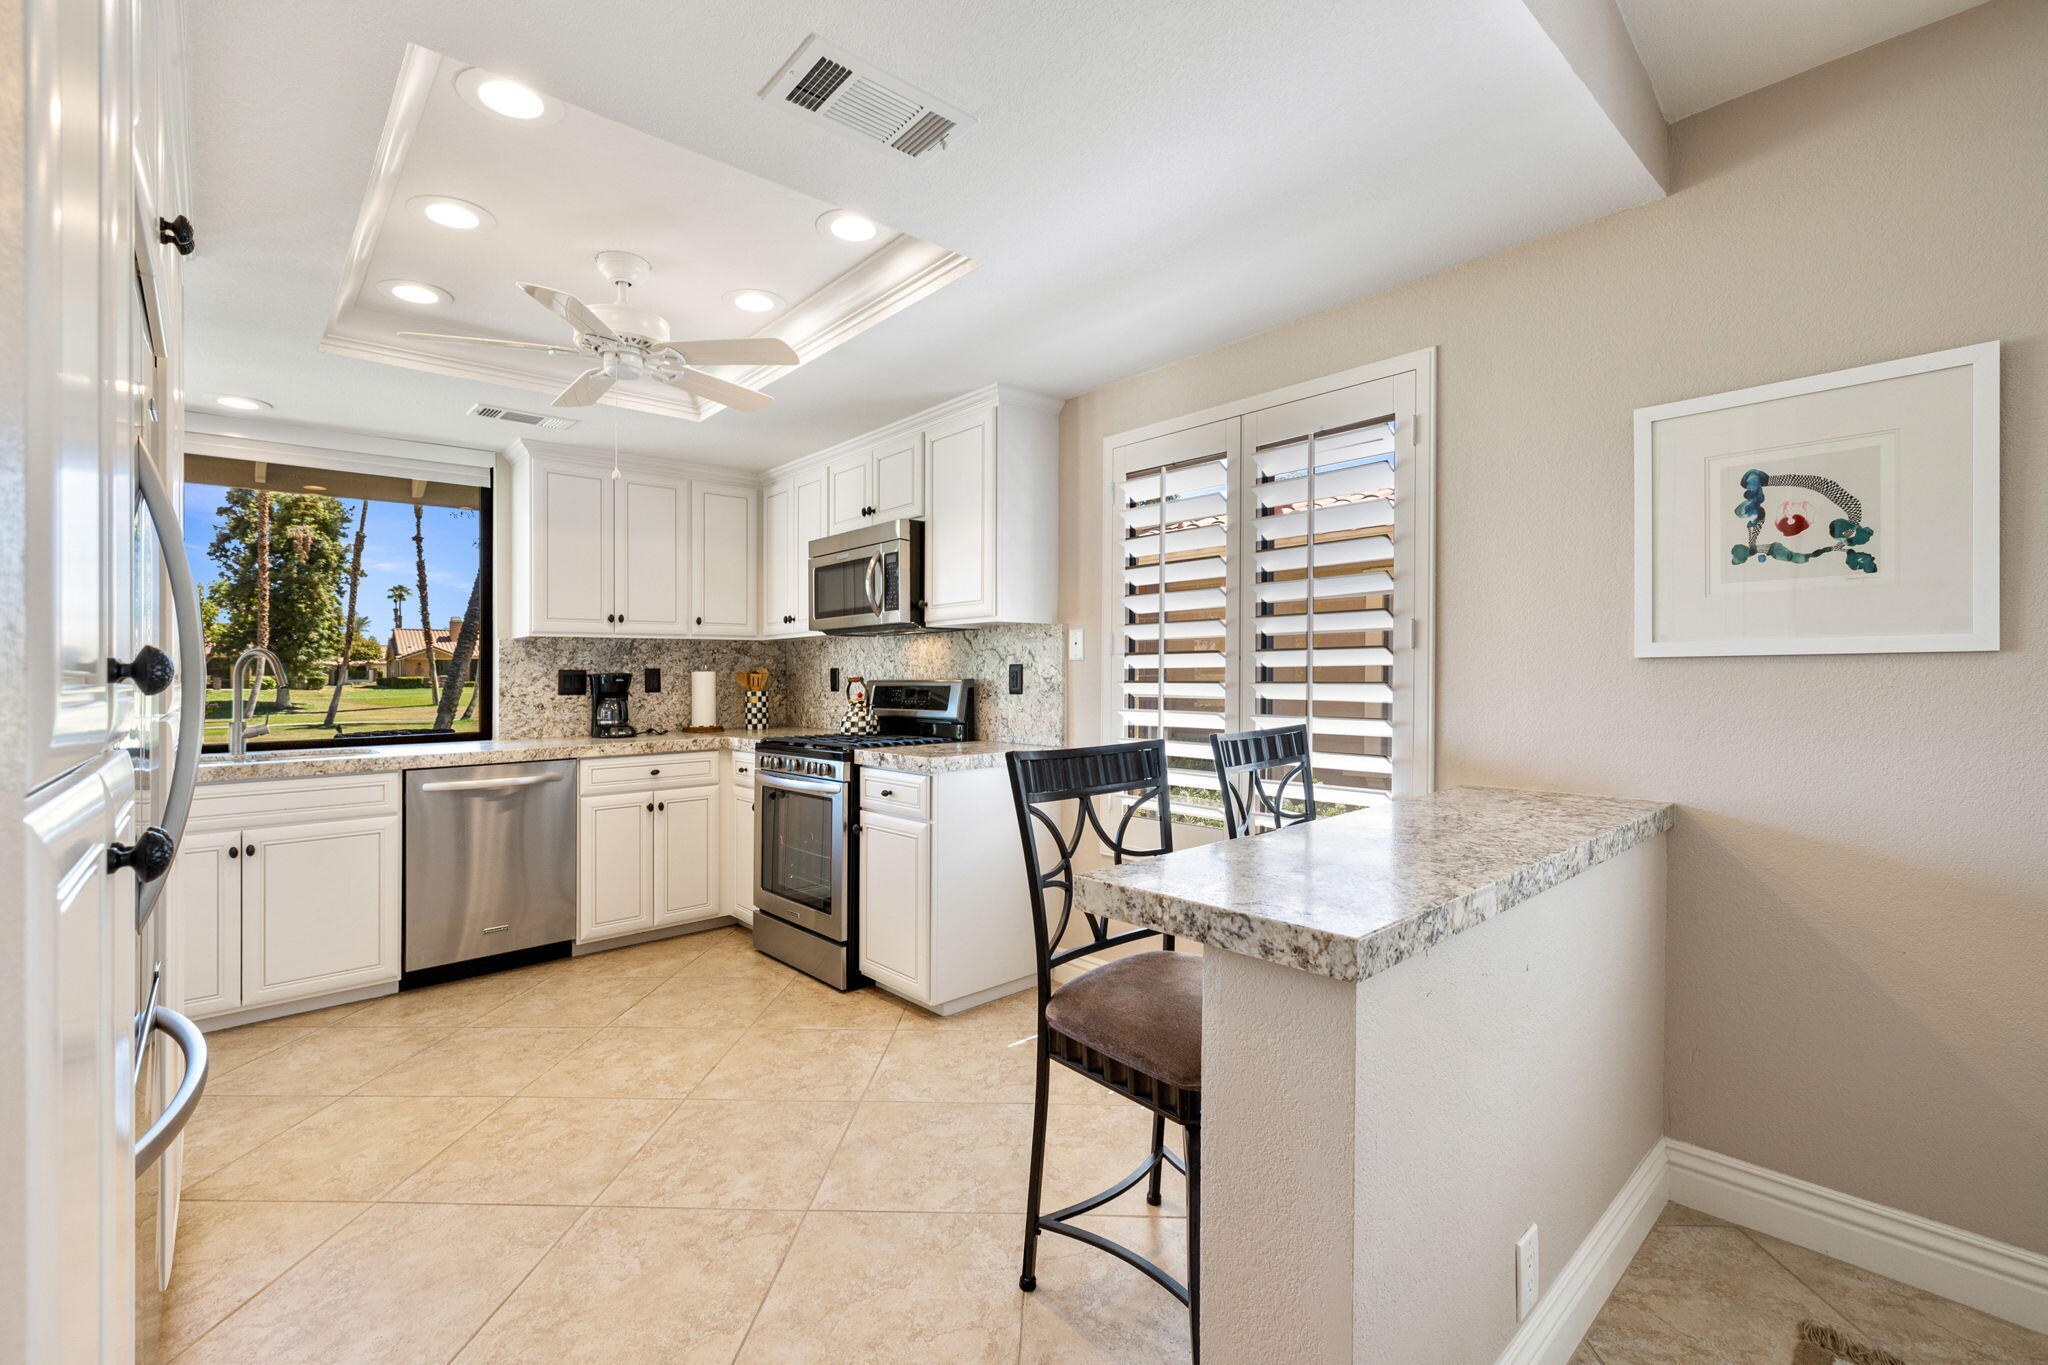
x,y
373,590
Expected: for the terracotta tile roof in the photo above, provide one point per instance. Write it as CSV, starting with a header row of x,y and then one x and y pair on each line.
x,y
411,639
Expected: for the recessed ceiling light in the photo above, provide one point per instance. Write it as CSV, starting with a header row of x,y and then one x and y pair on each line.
x,y
414,292
848,226
239,403
459,214
506,98
754,300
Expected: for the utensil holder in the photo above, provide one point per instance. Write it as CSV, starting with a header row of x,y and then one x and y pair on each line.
x,y
757,710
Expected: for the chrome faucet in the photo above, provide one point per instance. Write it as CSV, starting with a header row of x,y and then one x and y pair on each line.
x,y
239,728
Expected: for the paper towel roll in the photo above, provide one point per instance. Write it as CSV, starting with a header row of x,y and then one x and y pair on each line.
x,y
703,699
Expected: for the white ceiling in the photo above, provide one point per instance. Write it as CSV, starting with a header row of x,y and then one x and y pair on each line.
x,y
1701,53
1144,180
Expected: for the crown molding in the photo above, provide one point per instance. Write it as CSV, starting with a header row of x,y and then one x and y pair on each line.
x,y
524,449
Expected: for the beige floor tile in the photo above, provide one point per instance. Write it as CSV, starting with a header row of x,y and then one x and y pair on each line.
x,y
1919,1327
479,1061
358,1147
571,1002
453,1003
1585,1355
805,1003
797,1064
975,1158
227,1252
686,1001
537,1151
883,1287
729,947
399,1284
747,1154
1091,1308
329,1061
1015,1014
637,1063
641,1287
1696,1294
1679,1216
224,1127
235,1047
965,1066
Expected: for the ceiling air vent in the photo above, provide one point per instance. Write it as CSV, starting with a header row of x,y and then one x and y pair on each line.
x,y
525,419
831,83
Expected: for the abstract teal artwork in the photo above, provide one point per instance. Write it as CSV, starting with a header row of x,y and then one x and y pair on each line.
x,y
1847,530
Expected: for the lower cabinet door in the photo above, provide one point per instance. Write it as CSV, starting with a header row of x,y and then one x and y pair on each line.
x,y
896,902
204,903
320,908
614,865
685,855
742,844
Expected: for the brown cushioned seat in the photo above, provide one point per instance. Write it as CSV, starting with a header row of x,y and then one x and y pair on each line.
x,y
1144,1010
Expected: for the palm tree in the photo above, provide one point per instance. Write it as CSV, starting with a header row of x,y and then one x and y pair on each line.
x,y
263,591
419,546
398,595
465,650
348,632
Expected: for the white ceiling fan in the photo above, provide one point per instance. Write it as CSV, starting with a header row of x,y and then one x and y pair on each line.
x,y
632,343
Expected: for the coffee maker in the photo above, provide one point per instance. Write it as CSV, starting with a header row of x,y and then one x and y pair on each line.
x,y
608,715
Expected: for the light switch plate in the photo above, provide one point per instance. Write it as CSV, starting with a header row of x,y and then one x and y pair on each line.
x,y
1074,650
1528,1284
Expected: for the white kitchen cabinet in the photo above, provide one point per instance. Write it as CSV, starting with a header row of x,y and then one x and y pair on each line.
x,y
742,849
725,534
287,891
793,514
896,903
685,855
883,482
569,536
945,920
848,482
320,908
653,517
991,543
614,865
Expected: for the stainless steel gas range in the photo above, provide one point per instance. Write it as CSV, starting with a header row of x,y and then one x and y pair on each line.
x,y
807,814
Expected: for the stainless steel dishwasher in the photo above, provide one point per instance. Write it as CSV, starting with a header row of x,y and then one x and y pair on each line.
x,y
490,866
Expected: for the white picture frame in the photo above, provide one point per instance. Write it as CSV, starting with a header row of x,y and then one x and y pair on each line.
x,y
1918,439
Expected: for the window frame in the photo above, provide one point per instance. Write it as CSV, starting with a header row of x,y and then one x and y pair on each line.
x,y
1414,666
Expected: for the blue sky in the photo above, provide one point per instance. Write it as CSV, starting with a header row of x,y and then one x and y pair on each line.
x,y
387,555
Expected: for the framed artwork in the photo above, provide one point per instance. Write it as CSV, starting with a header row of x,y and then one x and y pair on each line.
x,y
1845,513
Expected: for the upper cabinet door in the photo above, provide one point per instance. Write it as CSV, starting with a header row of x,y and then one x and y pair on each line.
x,y
849,492
727,540
960,525
572,550
898,480
780,573
651,590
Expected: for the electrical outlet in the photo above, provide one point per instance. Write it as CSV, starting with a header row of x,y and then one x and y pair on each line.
x,y
1528,1283
1074,650
835,680
1016,679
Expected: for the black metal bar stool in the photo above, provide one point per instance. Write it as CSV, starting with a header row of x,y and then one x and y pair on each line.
x,y
1133,1024
1257,758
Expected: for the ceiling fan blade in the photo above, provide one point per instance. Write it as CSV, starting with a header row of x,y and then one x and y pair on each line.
x,y
736,351
570,309
494,341
716,389
590,386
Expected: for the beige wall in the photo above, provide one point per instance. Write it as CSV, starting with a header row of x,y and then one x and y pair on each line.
x,y
1858,952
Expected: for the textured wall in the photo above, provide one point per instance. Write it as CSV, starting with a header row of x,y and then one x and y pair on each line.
x,y
799,693
1858,951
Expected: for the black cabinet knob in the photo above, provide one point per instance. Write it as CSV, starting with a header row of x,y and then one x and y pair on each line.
x,y
151,670
249,850
654,772
149,855
887,792
234,851
176,232
650,805
700,620
661,805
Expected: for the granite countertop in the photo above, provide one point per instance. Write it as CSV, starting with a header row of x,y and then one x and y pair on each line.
x,y
942,758
1350,896
389,758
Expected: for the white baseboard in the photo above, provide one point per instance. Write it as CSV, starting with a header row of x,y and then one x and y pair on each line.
x,y
1552,1331
2005,1281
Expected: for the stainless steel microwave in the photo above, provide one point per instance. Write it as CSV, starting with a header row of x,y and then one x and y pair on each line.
x,y
869,581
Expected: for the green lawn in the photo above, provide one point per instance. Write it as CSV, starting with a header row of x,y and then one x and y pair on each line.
x,y
364,711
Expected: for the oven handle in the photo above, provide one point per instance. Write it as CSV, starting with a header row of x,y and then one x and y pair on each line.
x,y
816,786
873,583
178,1112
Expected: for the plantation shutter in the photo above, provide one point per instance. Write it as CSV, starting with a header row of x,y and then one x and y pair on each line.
x,y
1175,507
1323,568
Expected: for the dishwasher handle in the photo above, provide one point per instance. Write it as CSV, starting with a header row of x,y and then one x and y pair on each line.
x,y
488,784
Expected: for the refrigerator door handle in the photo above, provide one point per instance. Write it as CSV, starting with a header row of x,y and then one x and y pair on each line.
x,y
178,1112
191,675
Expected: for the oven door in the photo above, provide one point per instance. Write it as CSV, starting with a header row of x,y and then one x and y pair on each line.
x,y
865,590
802,873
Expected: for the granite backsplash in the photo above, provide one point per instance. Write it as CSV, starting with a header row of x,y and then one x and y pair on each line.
x,y
798,685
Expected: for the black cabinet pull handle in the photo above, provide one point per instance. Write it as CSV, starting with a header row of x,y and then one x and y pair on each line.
x,y
654,772
700,620
662,806
250,850
234,852
151,670
650,805
150,855
176,232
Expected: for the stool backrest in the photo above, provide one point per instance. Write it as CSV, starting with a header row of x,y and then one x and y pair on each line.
x,y
1043,779
1254,768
